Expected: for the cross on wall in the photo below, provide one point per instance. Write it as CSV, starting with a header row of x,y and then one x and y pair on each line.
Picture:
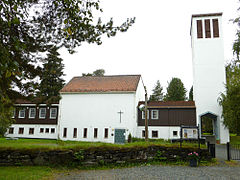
x,y
120,113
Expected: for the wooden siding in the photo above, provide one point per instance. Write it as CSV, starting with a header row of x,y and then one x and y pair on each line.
x,y
170,117
36,120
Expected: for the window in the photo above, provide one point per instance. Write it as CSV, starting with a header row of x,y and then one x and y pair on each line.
x,y
41,130
42,113
14,113
106,133
52,130
74,132
215,28
175,133
199,29
31,130
11,130
85,133
154,134
32,113
21,113
47,130
154,114
95,132
143,114
53,113
143,133
65,132
20,130
207,28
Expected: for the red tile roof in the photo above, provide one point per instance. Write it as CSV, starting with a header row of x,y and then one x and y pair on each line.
x,y
102,84
167,104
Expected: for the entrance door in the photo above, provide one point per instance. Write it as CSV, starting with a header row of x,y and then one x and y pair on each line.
x,y
119,137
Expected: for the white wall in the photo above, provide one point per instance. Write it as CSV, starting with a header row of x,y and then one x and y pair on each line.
x,y
208,73
36,134
96,110
164,132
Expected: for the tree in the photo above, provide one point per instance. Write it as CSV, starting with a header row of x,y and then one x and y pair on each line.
x,y
230,101
190,98
175,91
51,78
157,92
98,72
28,28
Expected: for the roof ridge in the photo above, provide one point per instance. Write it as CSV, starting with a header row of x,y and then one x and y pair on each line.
x,y
108,75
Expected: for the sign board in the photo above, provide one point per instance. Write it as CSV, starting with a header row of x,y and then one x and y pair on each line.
x,y
190,133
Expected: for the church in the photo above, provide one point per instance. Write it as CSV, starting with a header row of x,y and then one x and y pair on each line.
x,y
106,109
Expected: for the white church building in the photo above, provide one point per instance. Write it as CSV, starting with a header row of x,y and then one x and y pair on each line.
x,y
100,108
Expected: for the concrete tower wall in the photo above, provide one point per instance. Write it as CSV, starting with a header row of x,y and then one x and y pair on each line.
x,y
208,70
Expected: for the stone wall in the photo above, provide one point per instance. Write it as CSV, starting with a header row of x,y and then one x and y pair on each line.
x,y
97,156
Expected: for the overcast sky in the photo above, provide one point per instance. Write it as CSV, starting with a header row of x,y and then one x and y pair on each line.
x,y
157,46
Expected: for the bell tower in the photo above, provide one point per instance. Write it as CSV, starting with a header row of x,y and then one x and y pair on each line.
x,y
209,76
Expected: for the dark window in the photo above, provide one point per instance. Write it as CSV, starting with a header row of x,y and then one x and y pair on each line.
x,y
174,133
85,133
65,132
95,132
31,130
207,28
74,132
10,131
52,130
143,133
106,133
20,130
215,28
47,130
41,130
155,134
199,29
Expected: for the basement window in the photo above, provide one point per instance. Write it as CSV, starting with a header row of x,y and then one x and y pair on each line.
x,y
155,134
31,130
10,131
175,133
65,132
75,133
95,132
20,130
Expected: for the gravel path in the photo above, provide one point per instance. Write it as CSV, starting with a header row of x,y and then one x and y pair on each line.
x,y
157,172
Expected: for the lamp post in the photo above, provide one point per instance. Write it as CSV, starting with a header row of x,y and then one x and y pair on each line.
x,y
146,115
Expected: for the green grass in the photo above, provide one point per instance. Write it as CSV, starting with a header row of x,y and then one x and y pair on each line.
x,y
26,172
235,139
44,144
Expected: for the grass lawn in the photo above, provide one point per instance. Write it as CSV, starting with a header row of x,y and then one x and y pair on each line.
x,y
234,139
26,172
44,144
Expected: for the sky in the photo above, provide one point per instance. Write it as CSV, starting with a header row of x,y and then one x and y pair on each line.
x,y
157,46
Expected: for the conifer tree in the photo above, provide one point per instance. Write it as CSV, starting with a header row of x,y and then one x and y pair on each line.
x,y
51,78
190,98
175,90
157,92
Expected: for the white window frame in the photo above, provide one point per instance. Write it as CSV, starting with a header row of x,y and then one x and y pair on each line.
x,y
14,113
31,117
41,117
152,114
143,114
19,113
51,117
